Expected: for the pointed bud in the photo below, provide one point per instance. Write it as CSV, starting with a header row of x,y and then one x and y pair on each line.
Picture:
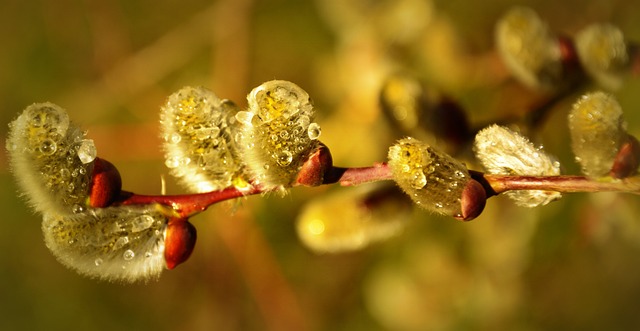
x,y
432,179
474,198
627,160
313,171
106,184
180,239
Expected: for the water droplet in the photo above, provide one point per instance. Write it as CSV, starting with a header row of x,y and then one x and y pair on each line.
x,y
70,187
128,255
172,162
304,121
120,242
141,223
439,205
314,131
48,147
418,180
274,137
148,254
82,171
98,262
244,117
77,208
266,166
175,138
284,134
284,159
87,151
65,173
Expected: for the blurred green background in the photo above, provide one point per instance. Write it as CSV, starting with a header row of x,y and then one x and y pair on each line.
x,y
570,265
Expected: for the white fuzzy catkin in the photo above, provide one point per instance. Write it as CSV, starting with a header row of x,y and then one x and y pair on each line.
x,y
597,130
528,48
198,140
603,52
343,221
505,152
115,243
277,133
431,178
51,159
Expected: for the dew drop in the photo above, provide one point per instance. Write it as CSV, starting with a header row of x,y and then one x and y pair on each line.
x,y
304,121
98,262
284,134
244,117
418,180
128,255
87,151
314,131
141,223
48,147
65,173
77,208
284,159
172,162
439,205
120,242
175,138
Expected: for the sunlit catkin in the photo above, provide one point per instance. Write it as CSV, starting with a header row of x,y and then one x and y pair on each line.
x,y
277,133
114,243
198,140
352,219
597,131
603,52
432,179
528,48
505,152
51,159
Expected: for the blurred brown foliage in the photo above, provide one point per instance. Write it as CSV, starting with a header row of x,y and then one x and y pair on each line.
x,y
569,265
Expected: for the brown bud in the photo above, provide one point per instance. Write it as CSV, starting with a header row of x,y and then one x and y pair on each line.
x,y
179,241
472,201
106,184
626,161
313,170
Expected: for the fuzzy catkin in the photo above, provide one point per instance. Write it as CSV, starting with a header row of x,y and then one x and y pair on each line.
x,y
51,159
528,48
505,152
432,179
597,130
603,53
198,139
277,133
115,243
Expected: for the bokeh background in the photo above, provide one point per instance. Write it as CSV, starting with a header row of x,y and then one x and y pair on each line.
x,y
573,264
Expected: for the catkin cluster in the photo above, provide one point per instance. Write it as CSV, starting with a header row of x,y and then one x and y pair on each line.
x,y
210,144
57,170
